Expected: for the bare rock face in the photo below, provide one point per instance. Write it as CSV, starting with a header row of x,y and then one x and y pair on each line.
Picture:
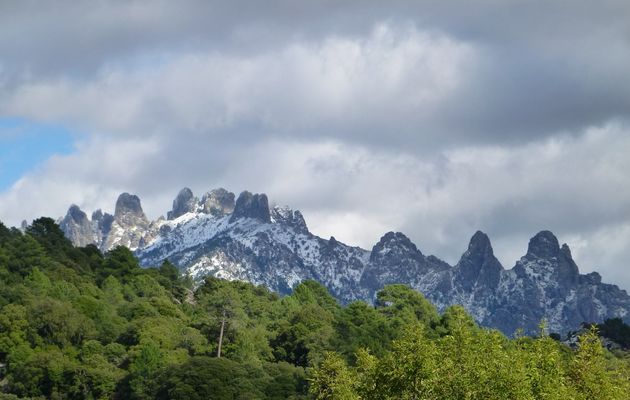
x,y
103,223
217,202
130,225
128,208
255,206
478,267
543,245
78,228
289,217
184,203
396,259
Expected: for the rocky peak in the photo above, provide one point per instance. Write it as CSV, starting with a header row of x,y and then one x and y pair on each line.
x,y
103,221
394,259
250,205
129,215
592,278
217,202
129,226
288,217
128,204
97,215
543,245
566,251
480,244
567,268
478,265
544,255
77,227
185,202
76,214
394,242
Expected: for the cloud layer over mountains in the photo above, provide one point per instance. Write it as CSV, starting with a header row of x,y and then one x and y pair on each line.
x,y
432,118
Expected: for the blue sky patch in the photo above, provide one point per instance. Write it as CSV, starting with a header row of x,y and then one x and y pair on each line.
x,y
25,144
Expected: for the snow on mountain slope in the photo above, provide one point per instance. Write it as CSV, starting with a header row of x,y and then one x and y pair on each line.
x,y
245,239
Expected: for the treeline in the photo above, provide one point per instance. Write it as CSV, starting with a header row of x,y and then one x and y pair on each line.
x,y
77,324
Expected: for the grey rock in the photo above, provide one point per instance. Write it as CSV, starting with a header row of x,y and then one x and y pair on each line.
x,y
543,245
128,204
218,202
77,227
255,206
184,203
478,267
130,225
289,217
103,222
396,259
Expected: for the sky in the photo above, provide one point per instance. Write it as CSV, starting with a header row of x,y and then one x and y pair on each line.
x,y
433,118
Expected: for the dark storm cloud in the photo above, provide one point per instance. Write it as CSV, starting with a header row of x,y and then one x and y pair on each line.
x,y
543,67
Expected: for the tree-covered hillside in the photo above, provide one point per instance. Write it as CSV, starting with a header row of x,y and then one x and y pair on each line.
x,y
77,324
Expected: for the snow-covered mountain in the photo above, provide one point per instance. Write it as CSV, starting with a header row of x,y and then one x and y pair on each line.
x,y
246,239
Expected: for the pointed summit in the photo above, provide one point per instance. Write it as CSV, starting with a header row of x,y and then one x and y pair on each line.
x,y
217,202
130,225
128,204
394,242
478,266
480,243
77,227
129,214
250,205
185,202
288,217
544,254
543,245
103,222
76,214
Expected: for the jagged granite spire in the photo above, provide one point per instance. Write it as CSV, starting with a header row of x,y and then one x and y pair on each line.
x,y
250,205
77,227
478,266
217,202
185,202
394,242
76,214
544,250
130,226
288,217
543,245
396,259
128,204
103,222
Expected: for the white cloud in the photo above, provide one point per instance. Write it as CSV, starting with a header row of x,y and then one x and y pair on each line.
x,y
339,87
92,177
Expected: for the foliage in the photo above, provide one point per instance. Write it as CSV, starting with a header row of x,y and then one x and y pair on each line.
x,y
616,330
468,362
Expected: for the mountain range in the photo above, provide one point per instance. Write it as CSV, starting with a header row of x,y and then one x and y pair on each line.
x,y
243,238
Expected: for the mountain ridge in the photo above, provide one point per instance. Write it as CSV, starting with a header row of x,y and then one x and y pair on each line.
x,y
243,238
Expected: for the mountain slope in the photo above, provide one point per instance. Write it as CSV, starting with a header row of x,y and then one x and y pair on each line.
x,y
246,239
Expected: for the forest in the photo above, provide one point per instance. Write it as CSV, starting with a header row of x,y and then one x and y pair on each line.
x,y
78,324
